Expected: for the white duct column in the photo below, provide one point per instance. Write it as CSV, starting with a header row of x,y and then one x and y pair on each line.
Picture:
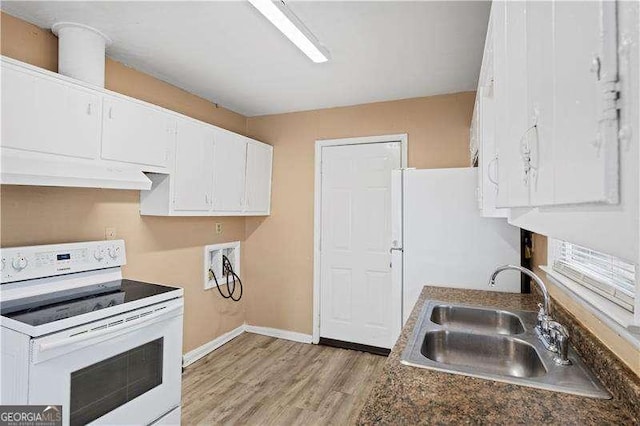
x,y
81,52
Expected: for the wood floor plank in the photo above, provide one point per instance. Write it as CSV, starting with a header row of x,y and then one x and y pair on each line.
x,y
260,380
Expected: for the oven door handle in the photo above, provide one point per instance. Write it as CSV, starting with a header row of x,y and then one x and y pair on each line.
x,y
126,325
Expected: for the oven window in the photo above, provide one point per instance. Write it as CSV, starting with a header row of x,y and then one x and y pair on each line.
x,y
110,383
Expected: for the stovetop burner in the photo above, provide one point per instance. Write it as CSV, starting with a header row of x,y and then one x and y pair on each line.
x,y
48,308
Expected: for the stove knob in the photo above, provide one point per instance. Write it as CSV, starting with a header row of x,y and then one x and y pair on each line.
x,y
19,263
114,252
99,254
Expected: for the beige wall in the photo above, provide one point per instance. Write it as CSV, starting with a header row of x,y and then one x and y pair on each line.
x,y
280,247
619,346
163,250
159,249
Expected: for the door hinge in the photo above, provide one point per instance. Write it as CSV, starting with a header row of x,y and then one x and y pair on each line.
x,y
609,100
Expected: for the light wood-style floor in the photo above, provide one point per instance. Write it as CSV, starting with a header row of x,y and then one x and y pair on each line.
x,y
262,380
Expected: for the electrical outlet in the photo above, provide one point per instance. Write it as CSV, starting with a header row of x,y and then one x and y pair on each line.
x,y
109,233
218,228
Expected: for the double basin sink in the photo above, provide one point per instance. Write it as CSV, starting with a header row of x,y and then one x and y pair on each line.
x,y
494,344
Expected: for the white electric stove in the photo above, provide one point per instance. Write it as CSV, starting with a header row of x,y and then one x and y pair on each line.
x,y
76,334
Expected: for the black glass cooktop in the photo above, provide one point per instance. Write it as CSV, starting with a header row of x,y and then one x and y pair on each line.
x,y
48,308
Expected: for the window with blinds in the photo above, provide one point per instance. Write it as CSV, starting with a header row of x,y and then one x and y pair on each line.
x,y
606,275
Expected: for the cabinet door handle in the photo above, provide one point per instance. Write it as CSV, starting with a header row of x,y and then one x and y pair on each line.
x,y
494,161
110,113
89,108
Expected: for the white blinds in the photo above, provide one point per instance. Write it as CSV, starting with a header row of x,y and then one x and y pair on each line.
x,y
606,275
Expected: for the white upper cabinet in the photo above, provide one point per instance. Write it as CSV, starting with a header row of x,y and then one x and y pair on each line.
x,y
487,158
196,169
540,108
193,175
229,168
483,134
513,149
499,89
41,114
136,133
216,173
258,178
586,124
555,93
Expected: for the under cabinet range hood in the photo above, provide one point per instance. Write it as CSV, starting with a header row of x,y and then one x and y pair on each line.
x,y
57,154
39,172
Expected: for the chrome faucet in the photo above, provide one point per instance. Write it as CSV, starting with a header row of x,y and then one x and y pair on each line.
x,y
553,335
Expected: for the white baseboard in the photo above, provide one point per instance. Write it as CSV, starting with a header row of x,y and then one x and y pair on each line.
x,y
201,351
280,334
204,350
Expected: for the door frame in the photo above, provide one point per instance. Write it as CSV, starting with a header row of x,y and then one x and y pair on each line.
x,y
317,206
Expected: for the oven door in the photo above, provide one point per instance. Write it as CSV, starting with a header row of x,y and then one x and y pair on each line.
x,y
125,369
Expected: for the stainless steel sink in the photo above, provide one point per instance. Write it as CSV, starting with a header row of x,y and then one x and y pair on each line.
x,y
494,354
493,344
477,319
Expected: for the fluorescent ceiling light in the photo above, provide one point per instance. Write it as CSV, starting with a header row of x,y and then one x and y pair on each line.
x,y
289,24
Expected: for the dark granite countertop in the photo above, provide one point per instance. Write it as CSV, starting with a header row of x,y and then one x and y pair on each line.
x,y
411,395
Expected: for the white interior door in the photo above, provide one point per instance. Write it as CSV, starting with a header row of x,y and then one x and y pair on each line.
x,y
356,303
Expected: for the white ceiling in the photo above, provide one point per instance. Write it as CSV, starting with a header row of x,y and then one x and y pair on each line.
x,y
228,53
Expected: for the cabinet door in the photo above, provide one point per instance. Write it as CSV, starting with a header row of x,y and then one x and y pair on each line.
x,y
502,150
229,171
135,133
258,184
43,115
540,111
487,159
85,115
193,175
514,145
585,71
18,109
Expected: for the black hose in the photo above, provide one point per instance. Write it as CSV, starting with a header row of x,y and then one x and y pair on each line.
x,y
227,270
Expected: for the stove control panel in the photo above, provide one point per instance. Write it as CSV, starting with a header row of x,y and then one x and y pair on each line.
x,y
24,263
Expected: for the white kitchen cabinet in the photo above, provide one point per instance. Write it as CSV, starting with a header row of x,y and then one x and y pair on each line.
x,y
193,173
540,108
229,169
512,145
555,93
483,134
586,122
136,133
216,173
487,156
196,169
258,178
44,115
499,92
